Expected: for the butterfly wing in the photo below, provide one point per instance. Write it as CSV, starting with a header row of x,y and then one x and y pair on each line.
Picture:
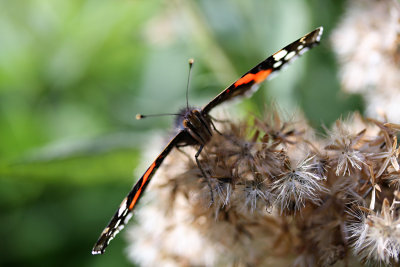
x,y
124,212
250,81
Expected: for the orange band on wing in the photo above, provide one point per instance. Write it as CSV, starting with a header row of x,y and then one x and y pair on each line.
x,y
134,200
139,192
147,173
256,77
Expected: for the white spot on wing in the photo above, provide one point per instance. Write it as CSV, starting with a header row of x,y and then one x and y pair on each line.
x,y
277,64
280,54
290,55
300,47
113,235
122,207
321,30
126,211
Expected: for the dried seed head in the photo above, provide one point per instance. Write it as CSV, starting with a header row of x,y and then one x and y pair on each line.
x,y
273,197
346,149
297,185
375,236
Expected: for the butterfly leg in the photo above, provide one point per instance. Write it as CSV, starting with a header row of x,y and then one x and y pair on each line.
x,y
215,128
204,173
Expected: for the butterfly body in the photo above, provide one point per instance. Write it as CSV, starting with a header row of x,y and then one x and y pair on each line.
x,y
194,127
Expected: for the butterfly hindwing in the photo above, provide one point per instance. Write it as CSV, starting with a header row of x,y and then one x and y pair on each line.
x,y
250,81
124,212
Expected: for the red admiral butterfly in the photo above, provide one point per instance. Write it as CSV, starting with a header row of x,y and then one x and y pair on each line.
x,y
195,127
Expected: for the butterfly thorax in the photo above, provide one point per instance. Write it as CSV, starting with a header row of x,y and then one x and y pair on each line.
x,y
196,124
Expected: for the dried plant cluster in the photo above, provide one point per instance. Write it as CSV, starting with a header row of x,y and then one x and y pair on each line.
x,y
281,197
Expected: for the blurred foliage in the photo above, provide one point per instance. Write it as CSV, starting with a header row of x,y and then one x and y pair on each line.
x,y
74,73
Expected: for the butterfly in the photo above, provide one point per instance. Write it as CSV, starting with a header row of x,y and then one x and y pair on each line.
x,y
194,127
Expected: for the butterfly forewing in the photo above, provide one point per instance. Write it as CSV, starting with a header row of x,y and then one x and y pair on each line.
x,y
250,81
124,212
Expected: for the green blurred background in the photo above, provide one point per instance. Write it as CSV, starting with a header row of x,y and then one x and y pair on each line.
x,y
74,73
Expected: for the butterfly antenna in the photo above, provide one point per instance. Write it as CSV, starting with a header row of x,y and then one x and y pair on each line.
x,y
141,116
191,61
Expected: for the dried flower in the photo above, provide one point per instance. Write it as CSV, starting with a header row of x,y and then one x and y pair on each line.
x,y
256,191
297,185
345,145
376,236
390,141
